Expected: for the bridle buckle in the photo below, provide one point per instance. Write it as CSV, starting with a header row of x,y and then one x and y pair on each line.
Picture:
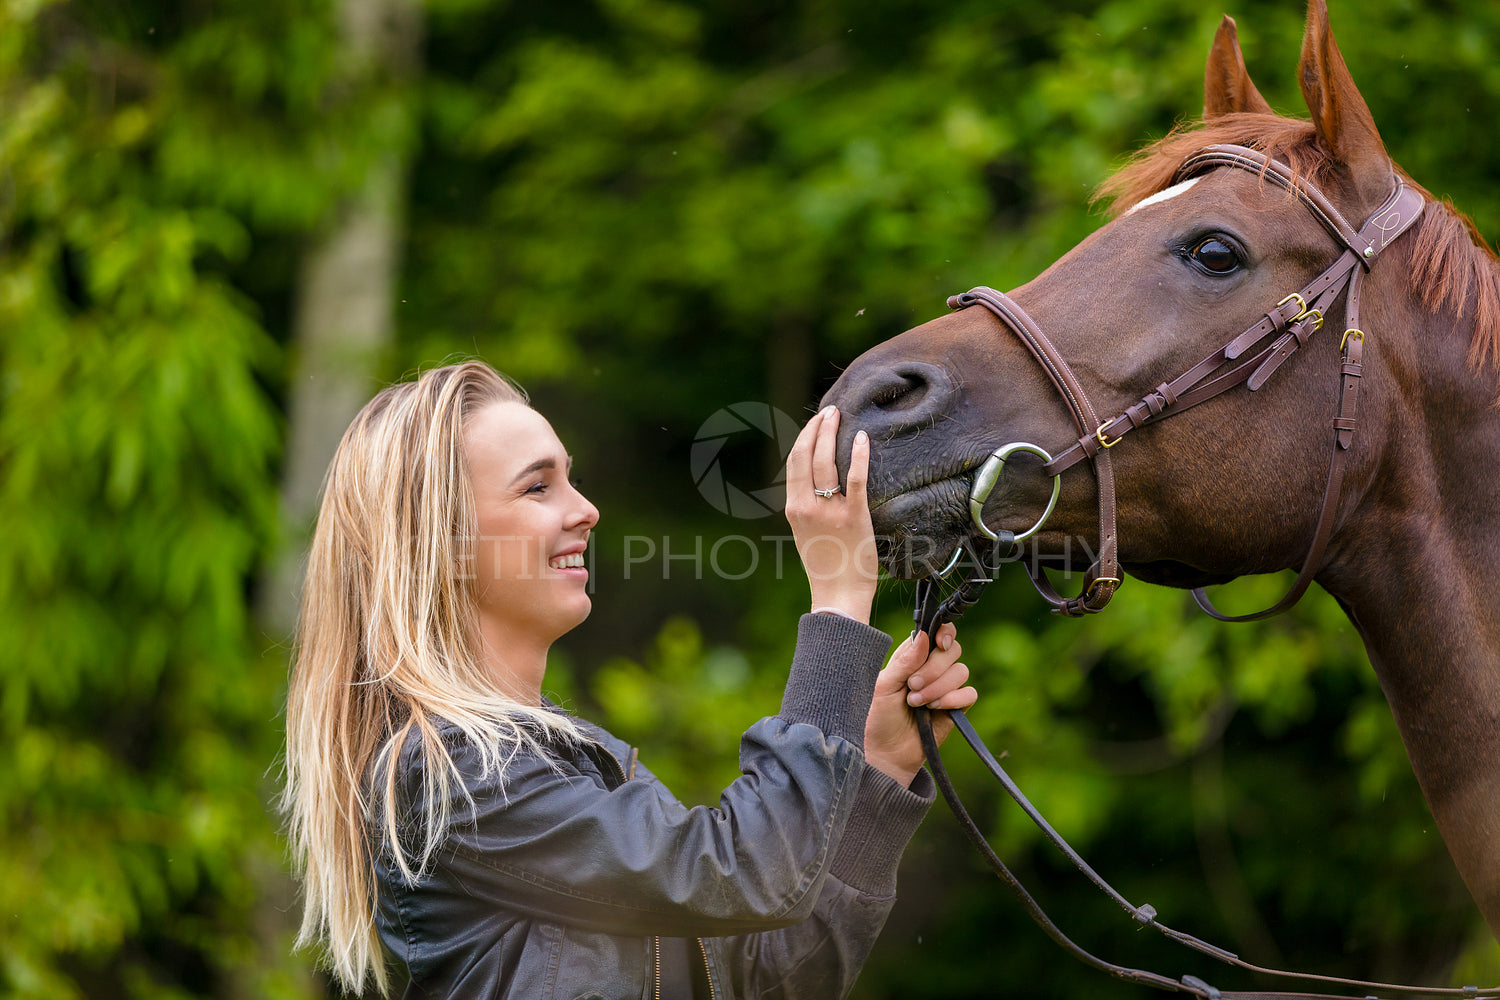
x,y
1089,590
1099,434
1354,333
1301,307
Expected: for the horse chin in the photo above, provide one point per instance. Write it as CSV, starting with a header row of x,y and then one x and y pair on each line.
x,y
917,530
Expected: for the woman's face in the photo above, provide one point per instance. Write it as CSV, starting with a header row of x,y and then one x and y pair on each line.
x,y
533,527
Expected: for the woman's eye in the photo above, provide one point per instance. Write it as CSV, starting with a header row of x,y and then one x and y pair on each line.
x,y
537,488
1215,256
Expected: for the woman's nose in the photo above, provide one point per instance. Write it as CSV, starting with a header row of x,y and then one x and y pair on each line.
x,y
585,514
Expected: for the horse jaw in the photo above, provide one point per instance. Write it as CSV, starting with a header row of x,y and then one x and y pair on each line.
x,y
1168,573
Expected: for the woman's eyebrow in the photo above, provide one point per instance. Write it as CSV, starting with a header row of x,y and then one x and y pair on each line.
x,y
542,463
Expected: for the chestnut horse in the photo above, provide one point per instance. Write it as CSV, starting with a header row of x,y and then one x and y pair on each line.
x,y
1412,530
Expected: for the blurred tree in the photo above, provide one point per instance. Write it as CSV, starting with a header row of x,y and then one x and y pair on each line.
x,y
136,444
346,288
150,157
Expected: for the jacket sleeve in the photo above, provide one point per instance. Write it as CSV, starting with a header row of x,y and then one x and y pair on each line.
x,y
822,956
546,839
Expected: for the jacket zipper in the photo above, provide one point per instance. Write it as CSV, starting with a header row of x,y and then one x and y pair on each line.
x,y
707,971
656,941
615,764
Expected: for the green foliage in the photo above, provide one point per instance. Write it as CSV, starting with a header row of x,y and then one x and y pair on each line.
x,y
138,448
678,704
645,210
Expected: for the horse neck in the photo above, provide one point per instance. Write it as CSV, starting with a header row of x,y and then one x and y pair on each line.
x,y
1417,567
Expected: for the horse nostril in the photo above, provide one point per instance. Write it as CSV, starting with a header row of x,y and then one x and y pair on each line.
x,y
902,392
895,399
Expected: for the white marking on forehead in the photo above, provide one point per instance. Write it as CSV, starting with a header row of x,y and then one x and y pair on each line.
x,y
1161,196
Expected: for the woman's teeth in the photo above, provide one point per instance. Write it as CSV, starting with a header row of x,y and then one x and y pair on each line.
x,y
574,561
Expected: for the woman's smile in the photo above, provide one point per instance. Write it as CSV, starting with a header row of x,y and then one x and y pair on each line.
x,y
570,563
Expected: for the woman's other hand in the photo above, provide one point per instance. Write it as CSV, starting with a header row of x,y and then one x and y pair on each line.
x,y
832,529
913,677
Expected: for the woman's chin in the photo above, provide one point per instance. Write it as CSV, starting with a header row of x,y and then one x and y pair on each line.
x,y
574,613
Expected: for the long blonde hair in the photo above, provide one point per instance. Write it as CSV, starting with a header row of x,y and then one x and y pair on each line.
x,y
386,645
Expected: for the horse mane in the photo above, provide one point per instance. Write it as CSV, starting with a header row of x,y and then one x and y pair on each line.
x,y
1450,261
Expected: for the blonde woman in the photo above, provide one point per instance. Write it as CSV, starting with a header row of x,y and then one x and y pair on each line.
x,y
449,822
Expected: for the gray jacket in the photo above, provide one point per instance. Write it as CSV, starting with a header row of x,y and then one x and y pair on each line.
x,y
564,879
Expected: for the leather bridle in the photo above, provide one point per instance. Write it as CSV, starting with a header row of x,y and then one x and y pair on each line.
x,y
1291,323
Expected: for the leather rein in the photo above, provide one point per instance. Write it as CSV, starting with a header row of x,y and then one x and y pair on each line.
x,y
1291,323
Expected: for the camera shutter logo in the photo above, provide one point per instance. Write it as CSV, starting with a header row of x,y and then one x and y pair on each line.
x,y
708,444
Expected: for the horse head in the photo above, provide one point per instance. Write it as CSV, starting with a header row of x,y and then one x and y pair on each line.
x,y
1362,449
1182,268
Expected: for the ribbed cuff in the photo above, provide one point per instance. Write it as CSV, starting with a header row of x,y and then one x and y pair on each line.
x,y
885,816
833,675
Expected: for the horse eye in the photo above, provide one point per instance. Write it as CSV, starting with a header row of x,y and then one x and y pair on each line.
x,y
1216,256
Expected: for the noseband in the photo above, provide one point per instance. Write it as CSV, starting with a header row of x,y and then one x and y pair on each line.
x,y
1292,322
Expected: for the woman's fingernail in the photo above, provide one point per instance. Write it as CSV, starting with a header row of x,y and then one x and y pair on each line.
x,y
945,642
916,683
915,700
829,411
861,437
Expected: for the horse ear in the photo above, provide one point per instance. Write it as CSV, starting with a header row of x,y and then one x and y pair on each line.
x,y
1342,119
1227,87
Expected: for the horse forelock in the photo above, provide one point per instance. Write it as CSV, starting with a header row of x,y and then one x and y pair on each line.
x,y
1451,265
1153,169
